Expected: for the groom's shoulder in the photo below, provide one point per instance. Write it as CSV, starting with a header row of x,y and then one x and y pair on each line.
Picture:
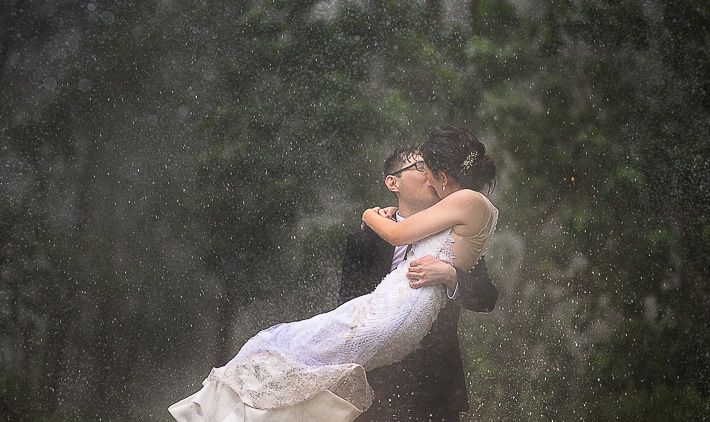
x,y
361,234
367,242
364,236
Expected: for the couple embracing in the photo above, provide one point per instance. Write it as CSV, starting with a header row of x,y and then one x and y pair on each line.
x,y
325,368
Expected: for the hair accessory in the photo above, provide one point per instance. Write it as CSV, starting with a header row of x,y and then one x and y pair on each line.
x,y
468,162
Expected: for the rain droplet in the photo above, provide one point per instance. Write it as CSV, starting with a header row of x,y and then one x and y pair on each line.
x,y
84,84
107,18
183,112
50,83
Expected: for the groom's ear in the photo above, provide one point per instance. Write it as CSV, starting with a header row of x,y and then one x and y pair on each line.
x,y
391,183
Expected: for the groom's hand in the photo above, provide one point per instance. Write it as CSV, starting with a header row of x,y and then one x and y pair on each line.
x,y
428,270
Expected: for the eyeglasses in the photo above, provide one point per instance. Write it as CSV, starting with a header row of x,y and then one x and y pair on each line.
x,y
417,165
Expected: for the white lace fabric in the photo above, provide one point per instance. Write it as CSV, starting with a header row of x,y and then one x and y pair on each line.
x,y
269,380
289,363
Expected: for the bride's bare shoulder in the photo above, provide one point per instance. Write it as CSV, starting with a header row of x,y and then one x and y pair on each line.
x,y
468,196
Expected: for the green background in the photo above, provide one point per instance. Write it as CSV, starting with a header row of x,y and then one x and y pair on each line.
x,y
177,175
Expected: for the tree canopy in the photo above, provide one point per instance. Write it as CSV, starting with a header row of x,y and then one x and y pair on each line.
x,y
177,175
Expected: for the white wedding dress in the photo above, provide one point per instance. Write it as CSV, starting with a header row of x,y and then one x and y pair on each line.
x,y
315,369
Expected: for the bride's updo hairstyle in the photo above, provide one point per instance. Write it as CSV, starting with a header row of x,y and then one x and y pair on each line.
x,y
458,153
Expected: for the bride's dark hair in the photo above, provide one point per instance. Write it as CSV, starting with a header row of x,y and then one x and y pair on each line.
x,y
457,152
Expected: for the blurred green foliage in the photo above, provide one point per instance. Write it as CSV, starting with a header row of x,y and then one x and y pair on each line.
x,y
178,175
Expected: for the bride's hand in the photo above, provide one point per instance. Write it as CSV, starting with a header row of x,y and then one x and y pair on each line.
x,y
375,210
388,212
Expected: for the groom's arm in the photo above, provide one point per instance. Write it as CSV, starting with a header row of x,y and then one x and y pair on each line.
x,y
472,290
476,292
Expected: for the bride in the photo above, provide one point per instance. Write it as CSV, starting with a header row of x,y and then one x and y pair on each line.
x,y
315,369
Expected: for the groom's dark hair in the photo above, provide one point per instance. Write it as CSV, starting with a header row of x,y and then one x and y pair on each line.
x,y
398,156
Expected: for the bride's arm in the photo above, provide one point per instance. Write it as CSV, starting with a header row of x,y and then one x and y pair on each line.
x,y
454,210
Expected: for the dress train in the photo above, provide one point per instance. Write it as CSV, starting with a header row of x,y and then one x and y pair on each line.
x,y
216,402
315,369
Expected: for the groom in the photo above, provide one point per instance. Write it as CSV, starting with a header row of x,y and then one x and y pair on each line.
x,y
429,384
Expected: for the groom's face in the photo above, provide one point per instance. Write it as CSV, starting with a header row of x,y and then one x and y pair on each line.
x,y
414,188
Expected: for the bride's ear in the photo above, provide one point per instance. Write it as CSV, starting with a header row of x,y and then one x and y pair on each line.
x,y
442,177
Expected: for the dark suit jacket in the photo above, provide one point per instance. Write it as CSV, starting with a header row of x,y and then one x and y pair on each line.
x,y
432,376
